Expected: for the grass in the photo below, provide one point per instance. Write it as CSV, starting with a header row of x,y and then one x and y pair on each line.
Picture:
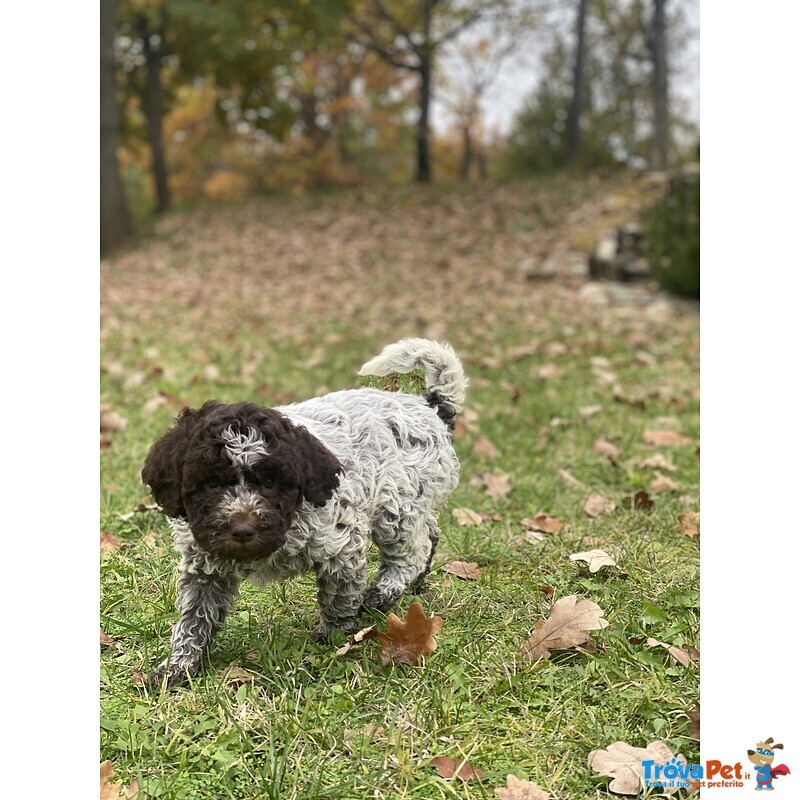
x,y
181,323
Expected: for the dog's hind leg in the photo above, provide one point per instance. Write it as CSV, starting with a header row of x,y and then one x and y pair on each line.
x,y
433,534
406,546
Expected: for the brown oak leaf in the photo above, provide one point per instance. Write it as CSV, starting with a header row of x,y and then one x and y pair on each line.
x,y
656,461
466,516
690,523
235,675
370,632
405,642
496,485
463,569
666,438
449,768
661,483
684,656
108,542
483,447
605,448
597,504
521,790
567,626
623,763
542,522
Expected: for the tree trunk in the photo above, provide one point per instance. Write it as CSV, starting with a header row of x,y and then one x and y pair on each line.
x,y
573,132
152,106
115,221
423,126
467,154
660,145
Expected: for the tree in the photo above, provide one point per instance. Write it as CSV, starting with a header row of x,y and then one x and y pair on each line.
x,y
410,35
115,222
657,44
573,131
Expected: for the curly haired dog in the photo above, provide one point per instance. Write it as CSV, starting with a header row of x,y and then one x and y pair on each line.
x,y
260,494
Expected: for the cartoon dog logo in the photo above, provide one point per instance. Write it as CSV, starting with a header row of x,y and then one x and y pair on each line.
x,y
762,757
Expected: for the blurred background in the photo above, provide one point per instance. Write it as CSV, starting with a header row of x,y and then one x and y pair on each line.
x,y
218,100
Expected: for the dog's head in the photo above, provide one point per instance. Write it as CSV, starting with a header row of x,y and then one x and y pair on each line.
x,y
237,474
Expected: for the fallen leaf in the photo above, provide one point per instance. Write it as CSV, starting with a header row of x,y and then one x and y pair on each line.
x,y
556,349
597,504
114,791
547,591
566,627
661,483
542,522
139,678
666,438
521,790
405,642
108,542
690,523
106,639
235,675
523,351
483,447
605,448
642,501
548,371
589,411
357,638
571,480
496,485
448,769
466,516
644,358
463,569
682,656
667,422
596,559
111,421
656,461
623,763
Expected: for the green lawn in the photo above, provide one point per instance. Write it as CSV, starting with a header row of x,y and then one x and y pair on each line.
x,y
277,300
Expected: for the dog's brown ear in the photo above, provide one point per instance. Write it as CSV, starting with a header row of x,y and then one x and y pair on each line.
x,y
777,747
163,466
320,467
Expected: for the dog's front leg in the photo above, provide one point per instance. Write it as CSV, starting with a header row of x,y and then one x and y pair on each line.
x,y
341,586
204,601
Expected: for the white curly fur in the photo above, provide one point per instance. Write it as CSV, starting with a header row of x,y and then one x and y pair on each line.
x,y
399,467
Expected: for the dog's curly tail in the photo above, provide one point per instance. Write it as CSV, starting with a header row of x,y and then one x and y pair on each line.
x,y
445,382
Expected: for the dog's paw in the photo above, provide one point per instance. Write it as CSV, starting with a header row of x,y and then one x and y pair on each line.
x,y
324,629
169,675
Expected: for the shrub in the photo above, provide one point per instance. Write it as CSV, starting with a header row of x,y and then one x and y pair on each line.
x,y
672,231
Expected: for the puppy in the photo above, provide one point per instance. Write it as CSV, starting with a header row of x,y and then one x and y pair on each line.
x,y
261,494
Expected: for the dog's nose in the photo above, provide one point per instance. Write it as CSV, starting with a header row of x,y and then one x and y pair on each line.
x,y
242,532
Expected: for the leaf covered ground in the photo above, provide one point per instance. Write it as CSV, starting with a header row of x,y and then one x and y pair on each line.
x,y
580,434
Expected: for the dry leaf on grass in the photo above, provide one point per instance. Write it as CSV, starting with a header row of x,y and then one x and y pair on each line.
x,y
235,675
114,791
370,632
694,721
108,542
496,485
521,790
106,639
466,516
656,461
463,569
571,480
483,447
111,421
684,656
448,769
542,522
595,559
623,763
548,371
690,523
666,438
642,502
597,504
567,626
661,483
589,411
405,642
607,449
